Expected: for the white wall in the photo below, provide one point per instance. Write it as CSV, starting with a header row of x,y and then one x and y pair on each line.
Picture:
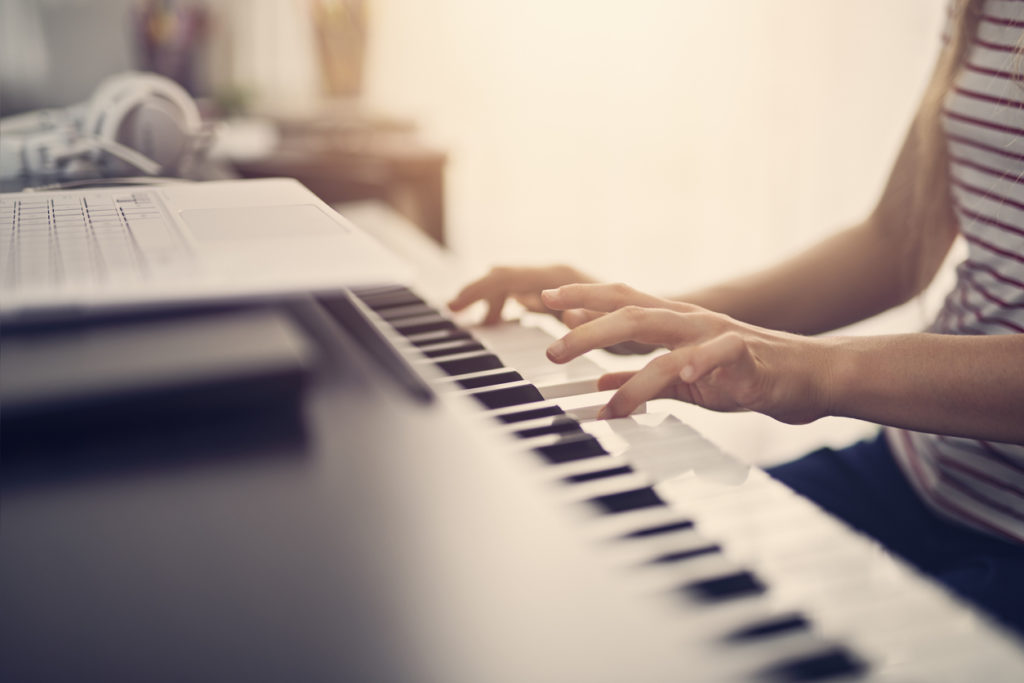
x,y
662,142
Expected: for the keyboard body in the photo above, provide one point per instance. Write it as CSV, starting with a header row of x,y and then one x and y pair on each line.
x,y
495,532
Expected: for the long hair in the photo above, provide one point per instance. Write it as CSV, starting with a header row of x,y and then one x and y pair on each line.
x,y
930,202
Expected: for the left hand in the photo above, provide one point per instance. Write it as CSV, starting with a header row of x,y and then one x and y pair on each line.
x,y
713,360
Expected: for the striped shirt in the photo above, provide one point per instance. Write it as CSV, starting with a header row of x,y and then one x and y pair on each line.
x,y
975,482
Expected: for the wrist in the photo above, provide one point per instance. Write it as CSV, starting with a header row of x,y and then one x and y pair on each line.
x,y
841,366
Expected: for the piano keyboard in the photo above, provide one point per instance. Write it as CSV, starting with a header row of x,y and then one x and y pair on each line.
x,y
774,588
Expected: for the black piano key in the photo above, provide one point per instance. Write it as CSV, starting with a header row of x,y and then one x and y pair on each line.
x,y
373,290
441,337
464,347
740,584
531,414
571,447
600,474
770,627
410,311
509,396
489,380
439,323
830,663
464,366
660,529
391,298
561,424
681,555
628,500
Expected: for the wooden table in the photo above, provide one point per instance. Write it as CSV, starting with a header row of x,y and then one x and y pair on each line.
x,y
355,157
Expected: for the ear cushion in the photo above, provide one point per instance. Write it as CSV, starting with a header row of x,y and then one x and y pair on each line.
x,y
145,112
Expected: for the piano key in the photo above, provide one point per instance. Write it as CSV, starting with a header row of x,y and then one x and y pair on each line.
x,y
659,529
727,587
470,363
508,396
514,417
770,627
453,349
429,323
830,663
571,447
557,424
487,380
600,474
388,298
406,311
681,555
628,500
554,390
427,339
586,406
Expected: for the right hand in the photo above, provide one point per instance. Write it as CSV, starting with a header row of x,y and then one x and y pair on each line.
x,y
522,284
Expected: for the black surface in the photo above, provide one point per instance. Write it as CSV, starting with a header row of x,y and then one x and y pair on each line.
x,y
426,340
763,629
560,424
572,447
464,366
726,587
489,380
508,396
681,555
660,529
830,663
628,500
600,474
531,414
411,329
464,347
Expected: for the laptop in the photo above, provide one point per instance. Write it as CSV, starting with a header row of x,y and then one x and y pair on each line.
x,y
140,247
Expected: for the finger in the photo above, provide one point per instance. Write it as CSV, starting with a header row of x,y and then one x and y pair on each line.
x,y
495,304
613,380
701,360
653,381
531,302
632,323
474,291
606,298
575,317
500,280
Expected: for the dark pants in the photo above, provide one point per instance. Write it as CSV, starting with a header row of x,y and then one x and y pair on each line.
x,y
863,486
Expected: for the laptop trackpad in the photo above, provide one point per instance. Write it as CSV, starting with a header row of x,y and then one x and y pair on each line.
x,y
260,222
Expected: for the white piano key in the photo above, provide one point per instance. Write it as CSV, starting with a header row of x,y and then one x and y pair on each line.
x,y
558,389
586,406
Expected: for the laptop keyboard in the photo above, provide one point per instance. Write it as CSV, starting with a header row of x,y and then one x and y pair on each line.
x,y
75,240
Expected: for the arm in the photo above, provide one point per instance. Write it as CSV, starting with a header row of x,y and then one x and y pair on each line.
x,y
969,386
863,270
859,272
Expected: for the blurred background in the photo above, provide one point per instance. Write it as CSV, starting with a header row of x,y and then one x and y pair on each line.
x,y
667,143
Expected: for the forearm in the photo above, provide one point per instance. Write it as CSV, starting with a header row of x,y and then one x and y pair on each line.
x,y
970,386
850,276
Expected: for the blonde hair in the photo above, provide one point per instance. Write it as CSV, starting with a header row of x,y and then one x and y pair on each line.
x,y
930,202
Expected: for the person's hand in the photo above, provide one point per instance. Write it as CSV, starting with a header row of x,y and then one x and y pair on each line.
x,y
713,360
522,284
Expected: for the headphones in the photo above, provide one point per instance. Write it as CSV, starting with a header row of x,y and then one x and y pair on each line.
x,y
134,123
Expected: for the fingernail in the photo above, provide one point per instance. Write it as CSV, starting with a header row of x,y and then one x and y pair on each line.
x,y
549,293
603,413
556,350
